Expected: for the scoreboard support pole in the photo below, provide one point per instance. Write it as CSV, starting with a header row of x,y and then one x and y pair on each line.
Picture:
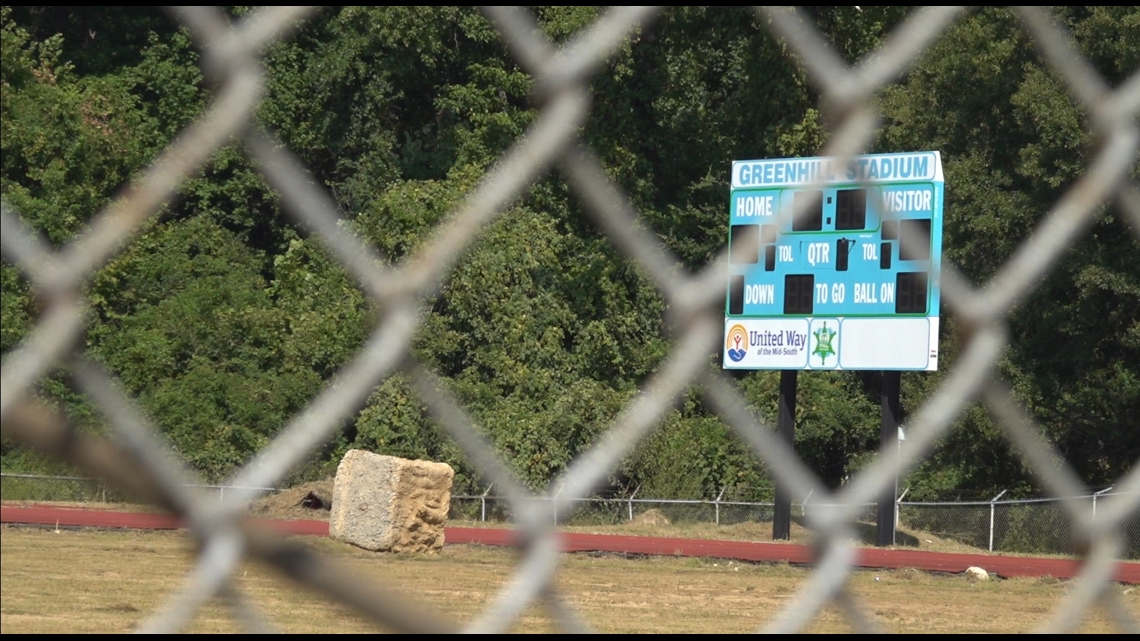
x,y
785,431
889,447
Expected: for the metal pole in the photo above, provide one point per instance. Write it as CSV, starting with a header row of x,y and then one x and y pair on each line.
x,y
786,431
554,503
897,503
888,446
716,503
483,501
992,501
1097,494
631,502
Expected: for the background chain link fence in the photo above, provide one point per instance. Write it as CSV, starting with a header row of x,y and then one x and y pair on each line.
x,y
1023,526
77,489
139,462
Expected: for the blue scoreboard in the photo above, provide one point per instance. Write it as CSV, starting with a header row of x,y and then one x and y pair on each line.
x,y
852,283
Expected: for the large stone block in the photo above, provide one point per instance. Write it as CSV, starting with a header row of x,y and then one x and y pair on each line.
x,y
390,504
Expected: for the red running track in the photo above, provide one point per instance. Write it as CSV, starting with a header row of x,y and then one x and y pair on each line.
x,y
1004,566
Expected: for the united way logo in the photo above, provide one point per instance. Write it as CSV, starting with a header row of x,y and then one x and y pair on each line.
x,y
737,343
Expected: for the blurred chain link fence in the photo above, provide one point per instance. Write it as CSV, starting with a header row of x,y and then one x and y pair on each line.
x,y
138,461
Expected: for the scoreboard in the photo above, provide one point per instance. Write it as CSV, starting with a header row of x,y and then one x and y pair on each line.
x,y
852,282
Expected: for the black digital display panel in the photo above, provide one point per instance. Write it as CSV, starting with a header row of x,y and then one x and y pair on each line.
x,y
890,230
798,292
811,218
736,295
850,209
914,235
910,292
742,238
842,253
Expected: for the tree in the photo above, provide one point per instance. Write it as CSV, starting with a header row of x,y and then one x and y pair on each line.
x,y
1013,145
224,318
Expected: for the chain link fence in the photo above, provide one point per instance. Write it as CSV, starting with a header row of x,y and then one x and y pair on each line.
x,y
56,489
1022,526
138,461
75,489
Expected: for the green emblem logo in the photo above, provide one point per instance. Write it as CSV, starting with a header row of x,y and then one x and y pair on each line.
x,y
823,347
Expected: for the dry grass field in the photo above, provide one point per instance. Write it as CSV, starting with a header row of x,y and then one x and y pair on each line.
x,y
108,581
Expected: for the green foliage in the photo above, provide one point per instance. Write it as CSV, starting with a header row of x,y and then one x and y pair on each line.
x,y
15,308
188,324
542,333
1033,528
403,217
168,82
837,427
693,457
97,40
1013,144
67,141
324,313
396,423
224,320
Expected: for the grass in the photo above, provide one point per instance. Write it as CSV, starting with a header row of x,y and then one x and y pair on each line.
x,y
109,581
762,532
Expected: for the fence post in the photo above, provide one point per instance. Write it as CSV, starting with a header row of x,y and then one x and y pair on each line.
x,y
716,503
554,503
897,502
1097,494
483,504
803,504
992,501
635,491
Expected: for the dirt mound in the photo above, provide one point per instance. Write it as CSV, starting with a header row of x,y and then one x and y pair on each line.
x,y
310,501
650,517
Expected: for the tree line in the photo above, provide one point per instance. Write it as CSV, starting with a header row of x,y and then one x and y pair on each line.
x,y
224,319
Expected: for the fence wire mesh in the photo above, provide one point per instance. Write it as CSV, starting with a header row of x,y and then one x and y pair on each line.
x,y
139,461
